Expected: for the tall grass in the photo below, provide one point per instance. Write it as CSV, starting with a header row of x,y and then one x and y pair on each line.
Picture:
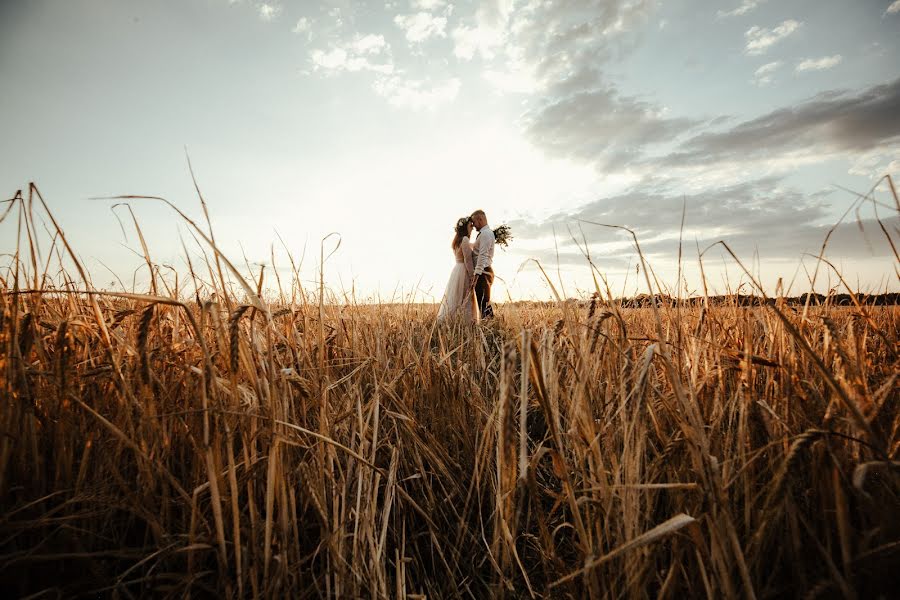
x,y
234,445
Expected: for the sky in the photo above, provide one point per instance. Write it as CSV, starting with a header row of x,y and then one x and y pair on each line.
x,y
386,121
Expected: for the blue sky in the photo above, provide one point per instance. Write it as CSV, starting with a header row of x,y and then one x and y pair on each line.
x,y
387,121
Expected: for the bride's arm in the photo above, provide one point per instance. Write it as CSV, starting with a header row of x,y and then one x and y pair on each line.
x,y
466,249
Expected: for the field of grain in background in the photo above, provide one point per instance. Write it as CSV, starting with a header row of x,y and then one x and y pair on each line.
x,y
223,444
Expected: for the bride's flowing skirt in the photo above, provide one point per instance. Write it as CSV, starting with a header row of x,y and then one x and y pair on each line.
x,y
459,301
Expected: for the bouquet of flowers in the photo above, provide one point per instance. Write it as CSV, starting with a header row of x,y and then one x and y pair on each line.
x,y
503,235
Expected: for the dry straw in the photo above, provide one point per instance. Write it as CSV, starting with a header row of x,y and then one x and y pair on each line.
x,y
304,445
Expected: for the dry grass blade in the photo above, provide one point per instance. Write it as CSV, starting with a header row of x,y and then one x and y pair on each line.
x,y
143,335
660,531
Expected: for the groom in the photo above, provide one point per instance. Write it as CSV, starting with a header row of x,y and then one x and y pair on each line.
x,y
484,256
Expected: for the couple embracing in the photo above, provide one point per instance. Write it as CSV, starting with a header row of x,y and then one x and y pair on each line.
x,y
468,295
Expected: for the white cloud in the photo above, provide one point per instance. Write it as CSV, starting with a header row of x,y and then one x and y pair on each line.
x,y
763,75
335,13
742,9
574,113
370,44
893,9
421,26
268,12
876,163
363,53
304,27
831,125
558,40
487,32
760,39
894,168
417,95
820,64
334,59
481,39
428,4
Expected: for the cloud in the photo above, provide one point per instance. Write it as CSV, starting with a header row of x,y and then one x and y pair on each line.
x,y
417,94
760,216
584,118
362,53
486,33
549,40
428,4
793,240
742,9
369,44
420,26
304,26
372,53
469,41
759,39
893,9
835,122
654,208
606,257
558,39
268,11
763,75
557,52
875,164
821,64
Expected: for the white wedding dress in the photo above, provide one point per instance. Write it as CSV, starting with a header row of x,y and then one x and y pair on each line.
x,y
459,300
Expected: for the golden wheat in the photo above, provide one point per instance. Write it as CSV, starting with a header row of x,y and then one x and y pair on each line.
x,y
297,447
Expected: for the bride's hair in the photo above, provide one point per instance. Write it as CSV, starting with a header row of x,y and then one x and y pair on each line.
x,y
462,230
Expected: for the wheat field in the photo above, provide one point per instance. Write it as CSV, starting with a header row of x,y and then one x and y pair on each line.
x,y
234,444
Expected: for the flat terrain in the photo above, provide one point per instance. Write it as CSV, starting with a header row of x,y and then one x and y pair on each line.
x,y
160,449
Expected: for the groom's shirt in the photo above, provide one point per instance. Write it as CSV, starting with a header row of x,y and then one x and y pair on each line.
x,y
484,250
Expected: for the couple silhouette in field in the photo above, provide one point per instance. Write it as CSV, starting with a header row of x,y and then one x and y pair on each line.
x,y
468,294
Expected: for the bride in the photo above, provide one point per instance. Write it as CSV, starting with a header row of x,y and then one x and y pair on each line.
x,y
459,299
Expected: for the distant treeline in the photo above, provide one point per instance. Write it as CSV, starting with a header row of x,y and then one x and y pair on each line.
x,y
645,300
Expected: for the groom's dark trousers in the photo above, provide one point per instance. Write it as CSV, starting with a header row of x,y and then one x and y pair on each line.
x,y
483,285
